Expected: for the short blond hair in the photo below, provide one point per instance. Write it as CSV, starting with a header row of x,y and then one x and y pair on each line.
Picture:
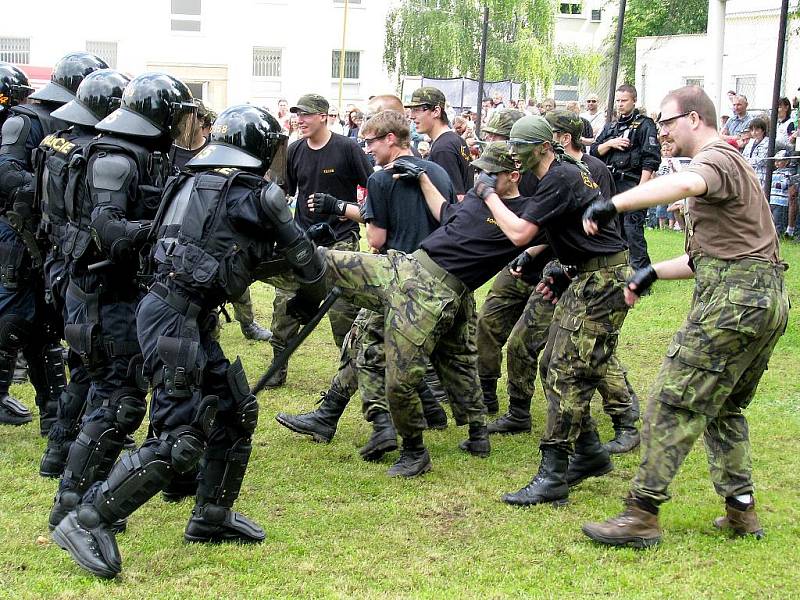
x,y
386,122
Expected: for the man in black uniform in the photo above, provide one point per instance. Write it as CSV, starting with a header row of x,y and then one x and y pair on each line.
x,y
320,162
97,96
630,148
202,409
125,172
27,322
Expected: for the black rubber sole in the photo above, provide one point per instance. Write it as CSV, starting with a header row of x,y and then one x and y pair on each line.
x,y
639,543
316,436
379,451
604,471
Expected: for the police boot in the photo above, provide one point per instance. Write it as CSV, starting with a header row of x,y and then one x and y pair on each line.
x,y
279,378
382,440
320,423
740,519
434,414
549,485
64,430
221,474
636,527
478,442
56,383
414,459
516,420
489,387
254,331
626,434
12,411
589,460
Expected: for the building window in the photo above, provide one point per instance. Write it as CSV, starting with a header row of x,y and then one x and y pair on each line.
x,y
566,88
597,14
571,8
185,15
745,85
267,62
15,50
352,64
198,89
698,81
105,50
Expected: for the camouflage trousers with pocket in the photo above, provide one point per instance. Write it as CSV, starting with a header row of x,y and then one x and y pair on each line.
x,y
424,320
581,342
710,374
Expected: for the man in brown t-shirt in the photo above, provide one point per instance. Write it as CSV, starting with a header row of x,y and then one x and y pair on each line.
x,y
738,313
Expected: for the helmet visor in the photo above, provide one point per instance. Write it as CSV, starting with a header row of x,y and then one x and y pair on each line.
x,y
185,124
53,92
277,168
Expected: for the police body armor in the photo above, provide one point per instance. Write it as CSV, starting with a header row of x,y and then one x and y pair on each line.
x,y
627,162
198,247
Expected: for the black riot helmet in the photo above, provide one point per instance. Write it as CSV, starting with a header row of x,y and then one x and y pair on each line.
x,y
98,95
67,76
153,105
244,137
14,87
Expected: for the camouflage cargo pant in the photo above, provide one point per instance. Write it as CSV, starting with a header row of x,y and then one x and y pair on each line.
x,y
425,320
582,339
710,373
527,340
243,308
284,326
500,311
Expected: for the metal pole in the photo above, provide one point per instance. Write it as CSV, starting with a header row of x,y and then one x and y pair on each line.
x,y
716,44
776,96
612,85
342,54
482,73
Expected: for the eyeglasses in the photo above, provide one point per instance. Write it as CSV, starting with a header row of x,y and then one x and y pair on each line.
x,y
333,114
368,141
669,120
421,108
515,142
592,101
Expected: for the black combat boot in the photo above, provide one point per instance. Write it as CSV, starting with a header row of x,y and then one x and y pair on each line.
x,y
12,411
320,423
254,331
435,416
414,459
549,485
435,385
516,420
589,460
626,436
489,387
478,442
382,440
279,378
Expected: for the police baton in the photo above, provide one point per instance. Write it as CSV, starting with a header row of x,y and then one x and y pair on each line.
x,y
100,265
281,359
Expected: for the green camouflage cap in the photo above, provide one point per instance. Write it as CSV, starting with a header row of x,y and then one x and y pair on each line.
x,y
427,95
532,129
566,121
311,103
496,158
501,121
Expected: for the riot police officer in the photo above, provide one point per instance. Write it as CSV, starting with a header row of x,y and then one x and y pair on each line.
x,y
97,96
629,146
26,321
216,231
124,175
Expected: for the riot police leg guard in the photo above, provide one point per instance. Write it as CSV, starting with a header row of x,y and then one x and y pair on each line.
x,y
56,380
13,333
87,532
65,429
321,422
97,447
222,470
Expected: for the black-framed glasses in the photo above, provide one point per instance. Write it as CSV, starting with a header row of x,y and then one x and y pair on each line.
x,y
593,101
421,108
669,120
368,141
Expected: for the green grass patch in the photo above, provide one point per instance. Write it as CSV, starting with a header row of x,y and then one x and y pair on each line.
x,y
338,527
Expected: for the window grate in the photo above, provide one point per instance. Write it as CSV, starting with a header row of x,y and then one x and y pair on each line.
x,y
352,64
15,50
267,62
105,50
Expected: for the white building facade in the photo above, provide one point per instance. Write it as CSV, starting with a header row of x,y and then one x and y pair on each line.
x,y
227,51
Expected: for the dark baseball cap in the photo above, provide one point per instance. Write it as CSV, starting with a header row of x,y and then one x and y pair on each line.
x,y
496,158
565,121
311,103
501,121
427,95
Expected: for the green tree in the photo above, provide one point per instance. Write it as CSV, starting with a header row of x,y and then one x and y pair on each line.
x,y
656,17
441,38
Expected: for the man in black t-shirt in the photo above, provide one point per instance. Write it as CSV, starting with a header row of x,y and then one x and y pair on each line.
x,y
320,162
448,149
588,316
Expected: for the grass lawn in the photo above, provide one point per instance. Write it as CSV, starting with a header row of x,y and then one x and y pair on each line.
x,y
338,527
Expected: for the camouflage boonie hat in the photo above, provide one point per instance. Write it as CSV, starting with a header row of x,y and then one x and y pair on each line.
x,y
496,158
566,121
427,95
501,121
313,104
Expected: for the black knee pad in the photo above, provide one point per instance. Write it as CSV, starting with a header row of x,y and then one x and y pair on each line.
x,y
187,448
129,408
15,332
205,414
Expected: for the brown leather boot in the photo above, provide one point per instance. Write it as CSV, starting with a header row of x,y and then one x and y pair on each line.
x,y
740,522
635,527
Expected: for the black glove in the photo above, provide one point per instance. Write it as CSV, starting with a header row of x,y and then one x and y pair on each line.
x,y
302,307
325,204
321,234
405,169
484,187
525,266
600,211
555,277
643,278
